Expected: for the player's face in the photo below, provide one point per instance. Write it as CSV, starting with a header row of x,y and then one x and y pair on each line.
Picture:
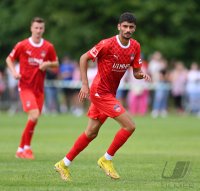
x,y
37,30
126,29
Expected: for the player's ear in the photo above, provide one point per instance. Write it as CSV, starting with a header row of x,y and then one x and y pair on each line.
x,y
118,26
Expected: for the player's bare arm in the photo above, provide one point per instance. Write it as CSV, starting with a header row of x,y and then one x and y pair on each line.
x,y
139,74
11,67
84,92
48,64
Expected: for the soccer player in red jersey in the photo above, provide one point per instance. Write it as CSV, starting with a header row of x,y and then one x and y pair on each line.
x,y
114,56
34,55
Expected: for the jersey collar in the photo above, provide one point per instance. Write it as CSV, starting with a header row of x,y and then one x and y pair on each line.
x,y
34,44
120,44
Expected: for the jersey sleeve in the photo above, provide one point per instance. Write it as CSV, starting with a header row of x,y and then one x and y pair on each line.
x,y
95,51
137,62
15,53
52,56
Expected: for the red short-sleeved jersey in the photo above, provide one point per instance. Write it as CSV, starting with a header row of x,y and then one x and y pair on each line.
x,y
30,56
113,60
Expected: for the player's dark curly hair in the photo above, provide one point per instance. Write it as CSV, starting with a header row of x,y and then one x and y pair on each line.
x,y
128,17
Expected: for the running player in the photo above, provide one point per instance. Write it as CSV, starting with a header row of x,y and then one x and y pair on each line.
x,y
34,55
114,56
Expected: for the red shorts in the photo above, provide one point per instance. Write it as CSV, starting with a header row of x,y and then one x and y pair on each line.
x,y
104,106
31,101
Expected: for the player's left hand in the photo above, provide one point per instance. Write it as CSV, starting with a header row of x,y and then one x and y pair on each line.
x,y
146,77
44,65
142,75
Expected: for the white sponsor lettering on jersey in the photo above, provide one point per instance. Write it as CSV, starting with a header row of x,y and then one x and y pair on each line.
x,y
35,61
120,67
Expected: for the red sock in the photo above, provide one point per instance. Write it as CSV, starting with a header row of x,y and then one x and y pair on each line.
x,y
119,139
27,133
22,142
80,144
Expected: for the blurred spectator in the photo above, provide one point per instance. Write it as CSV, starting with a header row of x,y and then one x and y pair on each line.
x,y
193,89
70,74
178,78
92,71
51,93
67,69
77,106
161,95
15,104
156,64
138,96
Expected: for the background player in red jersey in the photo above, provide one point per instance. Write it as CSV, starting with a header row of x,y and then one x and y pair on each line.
x,y
34,55
115,55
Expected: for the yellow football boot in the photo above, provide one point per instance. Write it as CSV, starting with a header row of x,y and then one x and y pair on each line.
x,y
108,167
63,170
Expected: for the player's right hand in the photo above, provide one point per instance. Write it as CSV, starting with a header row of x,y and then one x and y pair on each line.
x,y
17,76
84,93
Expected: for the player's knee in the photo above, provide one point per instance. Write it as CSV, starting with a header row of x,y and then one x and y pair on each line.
x,y
91,134
131,128
33,116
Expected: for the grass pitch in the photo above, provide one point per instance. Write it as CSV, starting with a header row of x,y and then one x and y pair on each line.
x,y
156,143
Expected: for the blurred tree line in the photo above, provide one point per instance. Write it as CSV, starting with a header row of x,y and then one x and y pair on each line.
x,y
171,27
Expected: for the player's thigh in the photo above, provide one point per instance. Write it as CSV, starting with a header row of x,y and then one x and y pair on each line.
x,y
125,121
40,101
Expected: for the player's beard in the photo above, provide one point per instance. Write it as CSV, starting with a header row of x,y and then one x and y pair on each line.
x,y
127,36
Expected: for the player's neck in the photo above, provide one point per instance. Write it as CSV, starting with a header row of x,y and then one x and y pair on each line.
x,y
36,40
123,40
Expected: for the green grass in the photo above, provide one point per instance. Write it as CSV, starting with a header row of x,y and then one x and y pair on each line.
x,y
140,162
